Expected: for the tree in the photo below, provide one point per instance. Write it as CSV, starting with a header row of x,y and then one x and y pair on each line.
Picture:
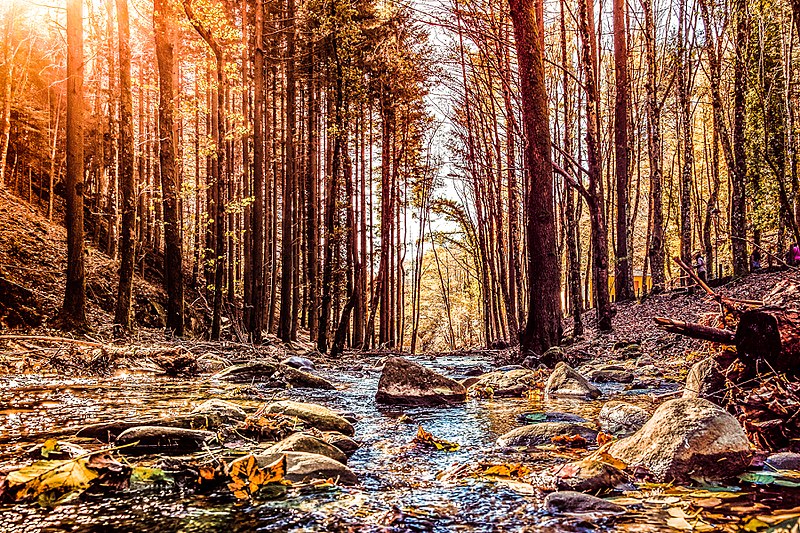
x,y
73,312
173,249
127,183
543,325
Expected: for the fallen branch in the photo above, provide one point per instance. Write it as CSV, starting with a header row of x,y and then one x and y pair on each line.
x,y
696,331
63,340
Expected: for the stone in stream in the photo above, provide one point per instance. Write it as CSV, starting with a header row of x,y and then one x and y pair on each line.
x,y
550,358
569,501
611,375
404,382
535,417
565,382
163,440
302,466
705,380
108,431
303,442
301,363
543,433
621,419
687,439
300,379
341,441
509,383
221,408
588,475
272,374
784,461
315,415
247,372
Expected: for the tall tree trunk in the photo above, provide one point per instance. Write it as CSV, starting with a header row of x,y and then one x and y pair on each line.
x,y
739,177
73,312
257,270
173,250
543,327
127,183
624,272
287,215
684,112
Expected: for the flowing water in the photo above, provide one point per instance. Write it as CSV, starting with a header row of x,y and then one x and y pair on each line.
x,y
392,473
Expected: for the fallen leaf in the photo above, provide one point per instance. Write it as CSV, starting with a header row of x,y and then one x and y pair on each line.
x,y
570,441
247,478
425,439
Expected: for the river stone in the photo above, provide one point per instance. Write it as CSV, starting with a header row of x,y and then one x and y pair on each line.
x,y
315,415
341,441
543,433
470,381
588,475
569,501
565,382
108,431
302,466
298,362
303,442
621,419
158,439
247,372
705,380
300,379
509,383
225,410
685,439
611,375
405,382
784,461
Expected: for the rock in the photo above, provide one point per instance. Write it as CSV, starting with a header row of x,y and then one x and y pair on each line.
x,y
564,382
784,461
536,417
226,410
576,502
628,350
475,371
302,466
611,375
532,362
300,379
549,358
108,431
315,415
298,362
470,381
508,368
686,439
543,433
705,380
247,372
404,382
303,442
588,475
53,449
158,439
510,383
621,419
341,441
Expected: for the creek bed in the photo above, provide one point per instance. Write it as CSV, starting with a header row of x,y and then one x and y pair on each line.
x,y
392,473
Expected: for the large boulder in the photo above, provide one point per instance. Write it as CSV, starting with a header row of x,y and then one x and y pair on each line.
x,y
621,419
302,466
705,380
570,502
509,383
565,382
316,416
404,382
687,439
543,433
303,442
163,440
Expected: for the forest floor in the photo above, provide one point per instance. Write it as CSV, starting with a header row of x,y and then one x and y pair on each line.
x,y
409,478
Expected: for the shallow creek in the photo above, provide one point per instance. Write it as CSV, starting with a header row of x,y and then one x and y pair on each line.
x,y
392,473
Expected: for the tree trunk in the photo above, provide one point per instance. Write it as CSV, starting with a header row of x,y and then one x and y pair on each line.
x,y
127,183
543,327
623,278
73,312
739,175
173,252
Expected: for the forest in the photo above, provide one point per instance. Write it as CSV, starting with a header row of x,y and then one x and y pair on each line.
x,y
578,215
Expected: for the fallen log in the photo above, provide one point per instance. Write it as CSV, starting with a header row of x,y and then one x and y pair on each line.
x,y
697,331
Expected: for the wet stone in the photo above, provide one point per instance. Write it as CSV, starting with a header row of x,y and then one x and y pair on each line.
x,y
301,363
565,382
611,375
315,415
543,433
577,502
226,410
588,475
621,419
784,461
342,442
405,382
515,382
303,442
302,467
164,440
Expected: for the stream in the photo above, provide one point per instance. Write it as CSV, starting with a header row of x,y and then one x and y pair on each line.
x,y
393,474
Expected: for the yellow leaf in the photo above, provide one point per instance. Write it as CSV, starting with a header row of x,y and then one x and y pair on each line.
x,y
247,478
50,477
